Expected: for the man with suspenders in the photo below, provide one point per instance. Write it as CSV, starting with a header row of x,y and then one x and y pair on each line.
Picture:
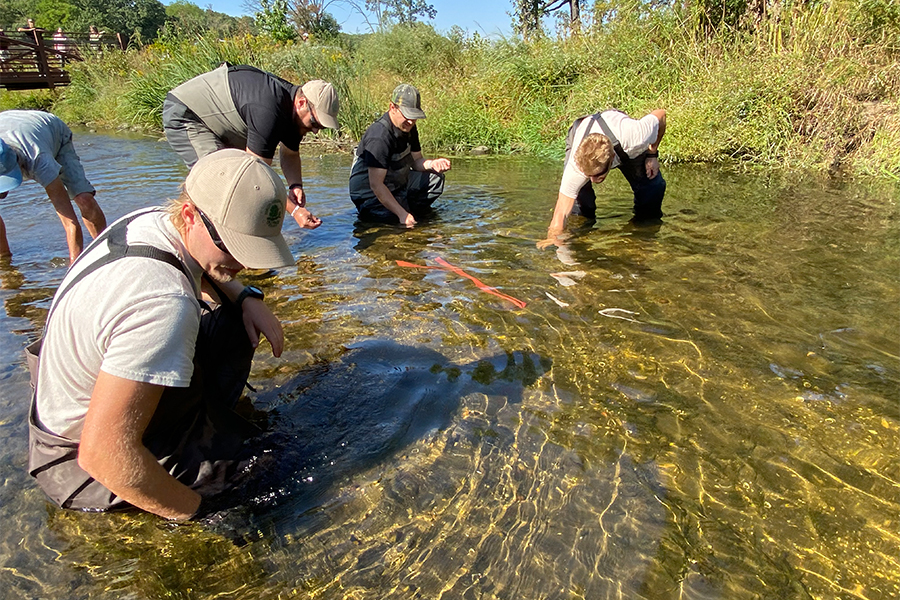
x,y
136,376
390,180
610,140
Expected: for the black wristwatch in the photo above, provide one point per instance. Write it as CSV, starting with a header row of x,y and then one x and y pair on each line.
x,y
249,292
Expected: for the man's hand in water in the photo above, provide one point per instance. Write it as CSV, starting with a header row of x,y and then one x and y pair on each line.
x,y
554,238
306,219
652,166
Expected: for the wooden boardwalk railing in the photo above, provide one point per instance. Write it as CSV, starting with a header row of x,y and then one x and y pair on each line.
x,y
36,59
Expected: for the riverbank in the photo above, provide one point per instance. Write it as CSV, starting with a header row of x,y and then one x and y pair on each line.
x,y
812,90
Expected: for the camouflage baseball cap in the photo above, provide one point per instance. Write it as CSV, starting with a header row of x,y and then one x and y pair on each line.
x,y
407,98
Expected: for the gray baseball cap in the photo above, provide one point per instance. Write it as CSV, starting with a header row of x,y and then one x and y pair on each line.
x,y
244,198
10,173
407,98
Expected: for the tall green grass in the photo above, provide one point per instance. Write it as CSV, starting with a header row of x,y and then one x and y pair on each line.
x,y
817,87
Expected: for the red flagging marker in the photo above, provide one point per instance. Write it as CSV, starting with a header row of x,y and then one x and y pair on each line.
x,y
445,266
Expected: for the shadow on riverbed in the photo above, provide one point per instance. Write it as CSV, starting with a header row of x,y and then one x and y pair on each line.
x,y
343,417
326,425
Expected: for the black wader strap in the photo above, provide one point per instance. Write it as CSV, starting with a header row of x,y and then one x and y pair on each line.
x,y
623,156
617,146
119,248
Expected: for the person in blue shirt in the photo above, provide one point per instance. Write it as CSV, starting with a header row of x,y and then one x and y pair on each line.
x,y
38,145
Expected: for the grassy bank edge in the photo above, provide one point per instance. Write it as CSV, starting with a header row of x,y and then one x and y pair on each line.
x,y
820,101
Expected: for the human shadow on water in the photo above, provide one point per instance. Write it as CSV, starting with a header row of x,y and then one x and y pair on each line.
x,y
343,417
326,424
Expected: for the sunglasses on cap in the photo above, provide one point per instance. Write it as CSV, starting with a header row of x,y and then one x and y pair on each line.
x,y
213,234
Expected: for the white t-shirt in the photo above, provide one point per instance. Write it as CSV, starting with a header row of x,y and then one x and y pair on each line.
x,y
136,318
635,135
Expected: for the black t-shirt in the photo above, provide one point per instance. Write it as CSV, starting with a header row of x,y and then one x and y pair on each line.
x,y
383,144
266,104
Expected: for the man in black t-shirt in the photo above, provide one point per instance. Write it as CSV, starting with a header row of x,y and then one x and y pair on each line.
x,y
246,108
390,179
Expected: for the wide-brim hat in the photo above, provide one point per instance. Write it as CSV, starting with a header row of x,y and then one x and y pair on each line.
x,y
244,198
324,100
408,100
10,173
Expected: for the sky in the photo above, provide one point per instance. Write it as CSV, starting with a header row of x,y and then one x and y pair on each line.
x,y
486,17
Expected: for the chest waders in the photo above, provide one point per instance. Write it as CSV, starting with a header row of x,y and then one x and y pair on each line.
x,y
396,178
648,193
208,96
193,433
415,191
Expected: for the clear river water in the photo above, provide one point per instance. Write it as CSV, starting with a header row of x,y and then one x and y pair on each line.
x,y
704,408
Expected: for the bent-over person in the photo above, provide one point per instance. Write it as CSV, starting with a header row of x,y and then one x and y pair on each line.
x,y
38,145
238,106
595,145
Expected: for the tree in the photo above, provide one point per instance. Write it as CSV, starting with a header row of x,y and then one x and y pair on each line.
x,y
404,11
309,16
528,14
185,18
145,17
55,13
272,20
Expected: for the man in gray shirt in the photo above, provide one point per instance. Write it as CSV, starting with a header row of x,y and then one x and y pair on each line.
x,y
37,145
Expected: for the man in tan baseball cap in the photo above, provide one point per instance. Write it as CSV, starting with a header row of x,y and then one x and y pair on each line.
x,y
138,375
238,106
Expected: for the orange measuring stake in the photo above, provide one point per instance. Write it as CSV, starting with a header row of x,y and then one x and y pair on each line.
x,y
445,266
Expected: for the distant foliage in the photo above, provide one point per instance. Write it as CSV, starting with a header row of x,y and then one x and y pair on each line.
x,y
310,17
812,84
403,12
184,18
271,19
141,17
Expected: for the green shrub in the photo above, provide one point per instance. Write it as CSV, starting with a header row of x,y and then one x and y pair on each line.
x,y
817,85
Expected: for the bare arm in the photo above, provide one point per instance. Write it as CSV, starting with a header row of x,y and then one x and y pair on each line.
x,y
563,207
384,195
661,115
257,316
292,167
295,205
59,197
652,163
112,451
436,165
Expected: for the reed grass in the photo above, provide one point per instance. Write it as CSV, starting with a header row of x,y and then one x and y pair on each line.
x,y
819,87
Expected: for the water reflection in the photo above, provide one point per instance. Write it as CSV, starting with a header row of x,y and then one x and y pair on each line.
x,y
702,408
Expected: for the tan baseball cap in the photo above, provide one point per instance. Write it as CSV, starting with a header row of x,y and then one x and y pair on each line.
x,y
244,198
324,100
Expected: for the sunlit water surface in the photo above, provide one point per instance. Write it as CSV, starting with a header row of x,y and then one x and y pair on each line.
x,y
707,408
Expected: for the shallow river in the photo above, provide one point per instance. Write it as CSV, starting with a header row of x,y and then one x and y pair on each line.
x,y
706,408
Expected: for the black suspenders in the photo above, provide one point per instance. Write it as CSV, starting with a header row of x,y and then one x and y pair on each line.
x,y
617,146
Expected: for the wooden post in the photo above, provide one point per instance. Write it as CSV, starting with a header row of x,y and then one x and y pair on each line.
x,y
43,64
